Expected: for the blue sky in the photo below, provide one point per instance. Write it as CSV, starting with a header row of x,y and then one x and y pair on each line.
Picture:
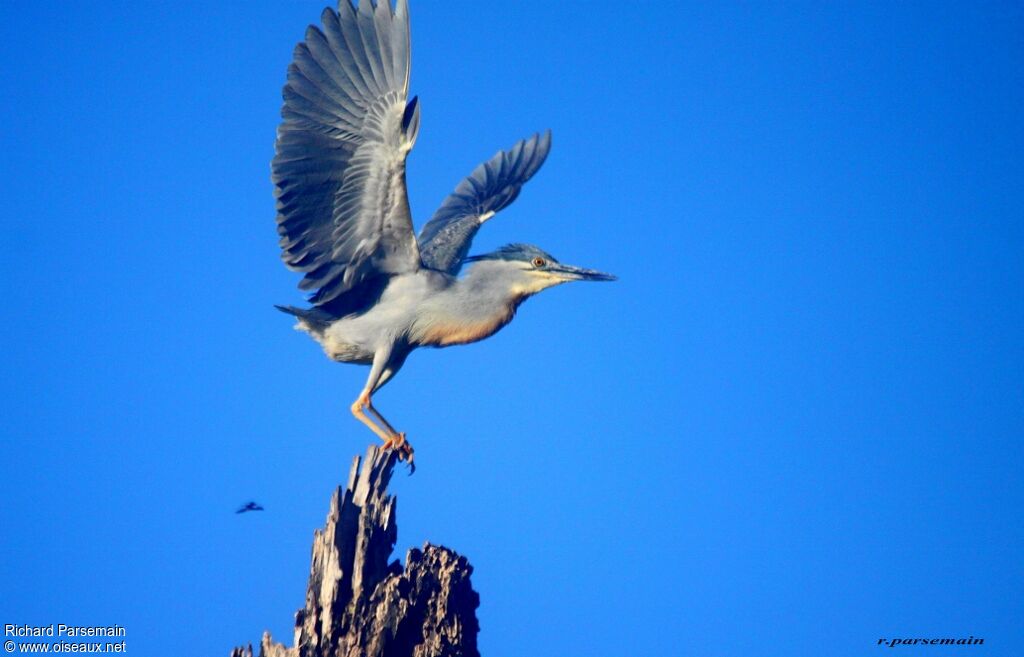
x,y
793,427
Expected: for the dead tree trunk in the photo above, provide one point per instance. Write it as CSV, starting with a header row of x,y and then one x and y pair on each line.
x,y
358,604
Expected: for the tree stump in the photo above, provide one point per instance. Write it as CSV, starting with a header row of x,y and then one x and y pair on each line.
x,y
358,604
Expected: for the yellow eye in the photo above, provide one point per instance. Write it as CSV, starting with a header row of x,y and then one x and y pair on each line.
x,y
539,262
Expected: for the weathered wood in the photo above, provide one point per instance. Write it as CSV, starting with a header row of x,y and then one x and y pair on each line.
x,y
358,604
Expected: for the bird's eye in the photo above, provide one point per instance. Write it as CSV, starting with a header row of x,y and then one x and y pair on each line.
x,y
539,262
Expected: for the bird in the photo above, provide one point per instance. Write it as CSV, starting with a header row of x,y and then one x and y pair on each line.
x,y
249,506
377,290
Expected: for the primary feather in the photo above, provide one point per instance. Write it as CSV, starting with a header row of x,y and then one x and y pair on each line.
x,y
447,237
339,168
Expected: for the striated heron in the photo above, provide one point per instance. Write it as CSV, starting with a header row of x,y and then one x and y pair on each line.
x,y
343,213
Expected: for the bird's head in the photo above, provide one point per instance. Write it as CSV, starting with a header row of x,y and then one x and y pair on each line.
x,y
529,269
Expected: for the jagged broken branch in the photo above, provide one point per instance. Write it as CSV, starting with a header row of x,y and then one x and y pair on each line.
x,y
361,604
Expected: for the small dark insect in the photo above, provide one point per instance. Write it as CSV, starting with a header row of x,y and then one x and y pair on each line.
x,y
249,506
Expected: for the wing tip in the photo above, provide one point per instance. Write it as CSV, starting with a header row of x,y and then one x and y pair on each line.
x,y
545,139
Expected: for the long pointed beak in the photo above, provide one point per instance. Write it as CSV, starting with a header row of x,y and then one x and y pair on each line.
x,y
571,273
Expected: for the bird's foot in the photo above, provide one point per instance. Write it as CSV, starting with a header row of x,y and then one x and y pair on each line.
x,y
404,449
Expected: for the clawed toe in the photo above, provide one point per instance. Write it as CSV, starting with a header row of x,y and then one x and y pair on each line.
x,y
401,447
404,450
406,454
407,449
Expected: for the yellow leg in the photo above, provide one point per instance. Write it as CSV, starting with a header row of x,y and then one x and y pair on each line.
x,y
362,403
392,439
398,440
380,418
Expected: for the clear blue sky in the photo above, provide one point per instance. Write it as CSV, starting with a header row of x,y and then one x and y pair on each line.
x,y
793,427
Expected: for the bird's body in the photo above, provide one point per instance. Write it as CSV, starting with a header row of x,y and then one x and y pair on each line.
x,y
344,217
423,309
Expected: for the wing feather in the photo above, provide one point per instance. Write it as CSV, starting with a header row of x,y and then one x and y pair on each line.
x,y
447,237
339,165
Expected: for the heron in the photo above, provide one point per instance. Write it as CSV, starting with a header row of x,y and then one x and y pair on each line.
x,y
377,291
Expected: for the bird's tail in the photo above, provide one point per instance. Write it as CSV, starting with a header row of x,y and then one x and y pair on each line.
x,y
312,319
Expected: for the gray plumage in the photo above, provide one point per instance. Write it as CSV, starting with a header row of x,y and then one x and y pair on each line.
x,y
445,240
339,168
344,219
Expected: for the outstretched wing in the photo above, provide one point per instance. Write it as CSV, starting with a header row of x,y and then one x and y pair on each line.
x,y
445,240
339,168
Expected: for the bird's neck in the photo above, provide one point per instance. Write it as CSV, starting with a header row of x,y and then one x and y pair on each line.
x,y
472,308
